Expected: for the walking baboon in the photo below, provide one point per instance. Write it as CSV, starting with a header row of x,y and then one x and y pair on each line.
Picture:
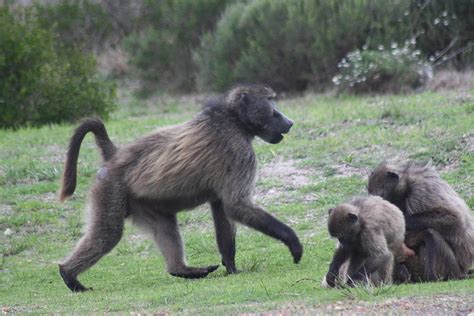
x,y
439,224
370,233
207,159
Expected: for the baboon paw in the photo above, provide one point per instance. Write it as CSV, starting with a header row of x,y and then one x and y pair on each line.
x,y
232,270
296,250
230,267
212,268
194,273
72,283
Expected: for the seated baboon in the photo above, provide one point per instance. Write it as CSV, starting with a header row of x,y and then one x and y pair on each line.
x,y
439,224
208,159
370,232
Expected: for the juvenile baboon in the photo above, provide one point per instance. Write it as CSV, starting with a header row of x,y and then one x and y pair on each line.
x,y
439,224
370,233
207,159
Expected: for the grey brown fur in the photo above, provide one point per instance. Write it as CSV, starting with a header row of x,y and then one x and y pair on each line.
x,y
370,232
439,224
207,159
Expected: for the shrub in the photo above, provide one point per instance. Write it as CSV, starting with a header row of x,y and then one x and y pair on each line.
x,y
79,24
445,30
40,85
393,70
162,54
290,44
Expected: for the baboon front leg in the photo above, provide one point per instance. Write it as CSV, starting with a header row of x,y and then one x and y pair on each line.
x,y
225,236
255,217
356,271
167,237
105,228
341,255
401,273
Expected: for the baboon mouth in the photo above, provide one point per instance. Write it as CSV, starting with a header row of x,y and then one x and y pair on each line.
x,y
277,139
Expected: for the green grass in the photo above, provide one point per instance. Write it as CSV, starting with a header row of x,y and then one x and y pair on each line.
x,y
326,159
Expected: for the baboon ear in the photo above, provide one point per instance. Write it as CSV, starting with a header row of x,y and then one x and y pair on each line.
x,y
330,211
352,218
393,176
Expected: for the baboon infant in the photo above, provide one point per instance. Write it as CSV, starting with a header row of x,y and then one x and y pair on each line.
x,y
439,224
370,233
208,159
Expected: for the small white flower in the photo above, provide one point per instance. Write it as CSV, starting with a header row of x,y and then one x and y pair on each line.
x,y
380,47
8,232
436,21
394,45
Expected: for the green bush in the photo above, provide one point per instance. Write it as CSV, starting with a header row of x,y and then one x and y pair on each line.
x,y
40,85
162,54
393,70
79,24
290,44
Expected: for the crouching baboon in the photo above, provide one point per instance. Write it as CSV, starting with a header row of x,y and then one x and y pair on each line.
x,y
439,224
208,159
370,232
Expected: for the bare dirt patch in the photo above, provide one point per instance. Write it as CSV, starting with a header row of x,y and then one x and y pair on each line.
x,y
469,143
451,80
6,209
348,170
54,154
444,304
285,172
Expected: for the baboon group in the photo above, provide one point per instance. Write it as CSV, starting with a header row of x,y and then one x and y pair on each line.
x,y
410,227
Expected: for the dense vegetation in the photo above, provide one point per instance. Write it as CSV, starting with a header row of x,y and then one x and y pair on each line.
x,y
42,80
295,45
49,49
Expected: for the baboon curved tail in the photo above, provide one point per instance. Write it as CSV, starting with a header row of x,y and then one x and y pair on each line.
x,y
107,150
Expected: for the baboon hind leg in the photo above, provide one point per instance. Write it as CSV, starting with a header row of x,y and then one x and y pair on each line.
x,y
168,239
104,231
225,236
435,259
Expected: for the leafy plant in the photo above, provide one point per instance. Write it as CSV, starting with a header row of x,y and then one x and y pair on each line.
x,y
385,70
41,84
162,53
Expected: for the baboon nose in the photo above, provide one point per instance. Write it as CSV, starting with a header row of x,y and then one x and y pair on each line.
x,y
290,123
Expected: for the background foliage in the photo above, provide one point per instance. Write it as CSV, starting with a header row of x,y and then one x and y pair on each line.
x,y
162,52
42,83
51,69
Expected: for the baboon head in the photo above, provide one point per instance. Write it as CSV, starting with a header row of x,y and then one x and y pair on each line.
x,y
257,112
343,223
387,182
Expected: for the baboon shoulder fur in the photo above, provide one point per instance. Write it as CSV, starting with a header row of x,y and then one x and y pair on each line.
x,y
207,159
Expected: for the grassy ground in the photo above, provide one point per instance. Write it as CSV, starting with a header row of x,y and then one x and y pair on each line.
x,y
323,161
